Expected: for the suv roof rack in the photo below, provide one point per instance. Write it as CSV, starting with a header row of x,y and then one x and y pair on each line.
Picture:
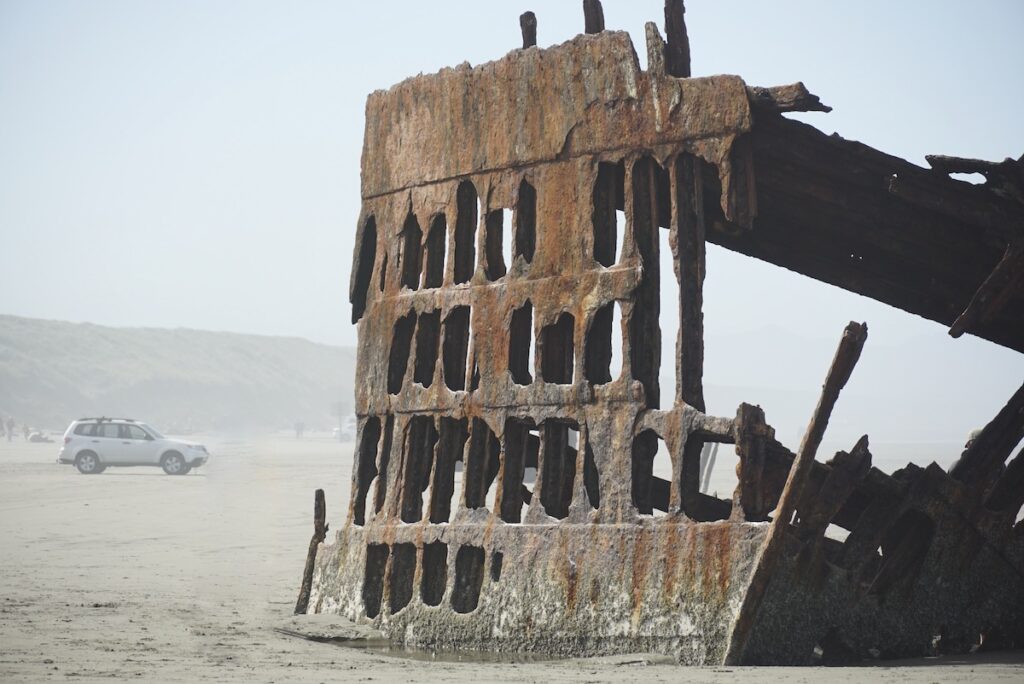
x,y
102,419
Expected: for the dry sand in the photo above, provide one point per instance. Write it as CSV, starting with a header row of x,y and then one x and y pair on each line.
x,y
133,574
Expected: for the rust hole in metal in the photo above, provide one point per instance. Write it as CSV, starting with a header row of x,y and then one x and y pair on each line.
x,y
559,445
380,493
420,440
410,259
456,347
481,465
603,345
608,212
526,221
557,352
451,444
521,449
401,344
364,267
366,468
465,232
373,578
520,345
498,242
428,334
705,470
469,577
650,492
435,573
436,247
401,573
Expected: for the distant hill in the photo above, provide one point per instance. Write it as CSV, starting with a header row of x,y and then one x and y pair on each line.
x,y
917,398
179,380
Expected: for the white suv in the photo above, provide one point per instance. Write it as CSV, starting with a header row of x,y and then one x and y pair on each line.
x,y
93,444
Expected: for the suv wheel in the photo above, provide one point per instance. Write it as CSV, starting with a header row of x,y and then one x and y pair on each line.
x,y
174,464
88,463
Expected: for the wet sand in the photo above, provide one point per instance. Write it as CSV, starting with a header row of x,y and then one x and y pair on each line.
x,y
136,575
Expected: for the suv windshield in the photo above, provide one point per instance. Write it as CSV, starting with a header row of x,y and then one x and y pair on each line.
x,y
151,431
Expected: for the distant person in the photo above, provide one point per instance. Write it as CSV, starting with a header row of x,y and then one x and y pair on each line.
x,y
956,470
300,428
26,430
10,428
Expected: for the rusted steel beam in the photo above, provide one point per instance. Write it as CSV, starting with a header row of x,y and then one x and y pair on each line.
x,y
847,166
1004,282
751,436
319,534
689,266
990,449
593,16
842,367
741,201
677,46
962,202
824,209
528,25
843,363
788,98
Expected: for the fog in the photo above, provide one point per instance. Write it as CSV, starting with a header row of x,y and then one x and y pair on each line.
x,y
179,191
196,165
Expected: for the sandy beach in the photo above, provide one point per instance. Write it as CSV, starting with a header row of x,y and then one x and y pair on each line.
x,y
136,575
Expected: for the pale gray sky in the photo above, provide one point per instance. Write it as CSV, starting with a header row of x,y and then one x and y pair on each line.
x,y
196,163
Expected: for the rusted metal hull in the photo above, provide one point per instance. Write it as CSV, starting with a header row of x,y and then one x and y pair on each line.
x,y
562,589
497,361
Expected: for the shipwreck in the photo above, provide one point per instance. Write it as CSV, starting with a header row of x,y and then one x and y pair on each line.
x,y
476,368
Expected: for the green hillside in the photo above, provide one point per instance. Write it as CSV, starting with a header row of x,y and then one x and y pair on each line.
x,y
179,380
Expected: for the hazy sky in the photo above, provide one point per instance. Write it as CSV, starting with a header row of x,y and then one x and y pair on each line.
x,y
197,163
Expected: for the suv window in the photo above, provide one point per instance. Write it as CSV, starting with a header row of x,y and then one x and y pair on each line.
x,y
107,430
85,429
135,432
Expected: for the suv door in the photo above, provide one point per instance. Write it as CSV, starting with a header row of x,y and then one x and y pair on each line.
x,y
139,447
106,440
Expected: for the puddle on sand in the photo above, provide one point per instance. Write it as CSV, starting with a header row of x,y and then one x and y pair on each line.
x,y
443,655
